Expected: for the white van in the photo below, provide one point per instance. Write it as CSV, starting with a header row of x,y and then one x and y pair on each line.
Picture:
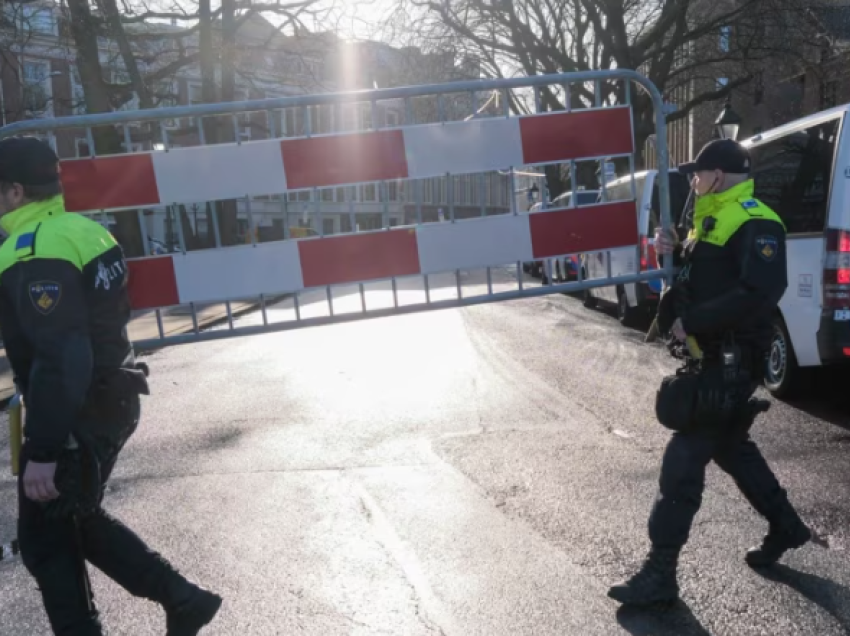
x,y
634,301
802,171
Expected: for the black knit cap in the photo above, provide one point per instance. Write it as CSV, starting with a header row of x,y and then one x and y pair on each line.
x,y
726,155
28,161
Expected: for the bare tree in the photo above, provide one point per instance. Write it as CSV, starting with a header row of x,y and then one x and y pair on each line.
x,y
675,43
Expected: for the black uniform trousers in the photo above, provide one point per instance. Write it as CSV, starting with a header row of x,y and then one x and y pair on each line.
x,y
55,550
682,481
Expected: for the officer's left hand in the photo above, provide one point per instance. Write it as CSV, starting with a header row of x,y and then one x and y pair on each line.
x,y
38,482
679,331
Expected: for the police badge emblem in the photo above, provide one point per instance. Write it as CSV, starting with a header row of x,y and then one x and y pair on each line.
x,y
45,296
767,247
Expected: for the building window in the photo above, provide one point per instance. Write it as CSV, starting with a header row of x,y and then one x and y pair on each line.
x,y
725,37
166,94
120,76
30,19
393,190
78,97
195,94
36,86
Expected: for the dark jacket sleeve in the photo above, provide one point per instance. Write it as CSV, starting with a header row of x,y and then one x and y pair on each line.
x,y
760,252
48,299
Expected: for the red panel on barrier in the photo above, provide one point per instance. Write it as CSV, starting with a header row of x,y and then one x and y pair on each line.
x,y
152,283
328,161
577,135
122,181
359,257
583,229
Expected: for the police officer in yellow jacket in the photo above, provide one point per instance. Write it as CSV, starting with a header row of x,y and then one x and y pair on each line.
x,y
732,277
64,310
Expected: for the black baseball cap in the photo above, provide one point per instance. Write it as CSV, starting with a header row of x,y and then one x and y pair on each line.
x,y
28,161
726,155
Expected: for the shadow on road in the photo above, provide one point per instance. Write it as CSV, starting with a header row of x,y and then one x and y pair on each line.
x,y
826,396
676,620
830,596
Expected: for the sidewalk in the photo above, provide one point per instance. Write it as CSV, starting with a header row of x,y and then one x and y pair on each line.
x,y
143,326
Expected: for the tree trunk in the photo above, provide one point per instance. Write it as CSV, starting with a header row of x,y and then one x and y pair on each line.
x,y
116,30
106,139
228,211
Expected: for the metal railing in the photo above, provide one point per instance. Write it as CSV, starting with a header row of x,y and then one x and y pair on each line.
x,y
83,127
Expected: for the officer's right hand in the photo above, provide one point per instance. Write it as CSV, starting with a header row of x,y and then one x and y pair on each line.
x,y
665,243
38,481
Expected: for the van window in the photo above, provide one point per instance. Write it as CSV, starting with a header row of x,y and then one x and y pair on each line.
x,y
793,176
623,191
680,189
587,197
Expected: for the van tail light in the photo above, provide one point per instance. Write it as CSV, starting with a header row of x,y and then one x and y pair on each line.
x,y
647,254
836,271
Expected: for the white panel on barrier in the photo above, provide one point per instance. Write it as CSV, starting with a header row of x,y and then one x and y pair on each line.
x,y
451,246
463,147
238,272
209,173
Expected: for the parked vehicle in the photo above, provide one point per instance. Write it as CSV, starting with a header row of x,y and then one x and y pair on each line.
x,y
801,171
635,301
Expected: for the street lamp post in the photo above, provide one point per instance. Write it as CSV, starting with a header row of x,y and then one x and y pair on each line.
x,y
533,191
728,123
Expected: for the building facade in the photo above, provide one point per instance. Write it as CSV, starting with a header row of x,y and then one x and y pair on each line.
x,y
781,89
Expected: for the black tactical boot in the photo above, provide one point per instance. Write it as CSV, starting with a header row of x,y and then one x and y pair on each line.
x,y
778,542
654,583
197,611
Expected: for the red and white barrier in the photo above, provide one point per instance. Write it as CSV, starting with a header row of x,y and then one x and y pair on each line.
x,y
258,168
295,265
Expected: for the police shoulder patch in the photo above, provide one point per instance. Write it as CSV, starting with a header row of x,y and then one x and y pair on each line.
x,y
749,204
767,246
45,296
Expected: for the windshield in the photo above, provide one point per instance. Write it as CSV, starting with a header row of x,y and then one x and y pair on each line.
x,y
588,197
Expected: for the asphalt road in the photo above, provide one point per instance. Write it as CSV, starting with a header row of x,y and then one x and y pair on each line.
x,y
479,471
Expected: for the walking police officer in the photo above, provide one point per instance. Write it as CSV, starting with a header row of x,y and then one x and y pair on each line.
x,y
64,310
726,295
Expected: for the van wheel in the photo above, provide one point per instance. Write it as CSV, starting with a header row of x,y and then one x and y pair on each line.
x,y
628,316
587,299
782,373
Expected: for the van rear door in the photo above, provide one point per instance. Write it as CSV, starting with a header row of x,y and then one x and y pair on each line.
x,y
794,175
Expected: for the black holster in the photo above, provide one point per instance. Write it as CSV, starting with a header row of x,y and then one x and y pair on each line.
x,y
106,404
710,397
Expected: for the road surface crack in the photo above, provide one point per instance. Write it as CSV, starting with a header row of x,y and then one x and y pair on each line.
x,y
413,576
